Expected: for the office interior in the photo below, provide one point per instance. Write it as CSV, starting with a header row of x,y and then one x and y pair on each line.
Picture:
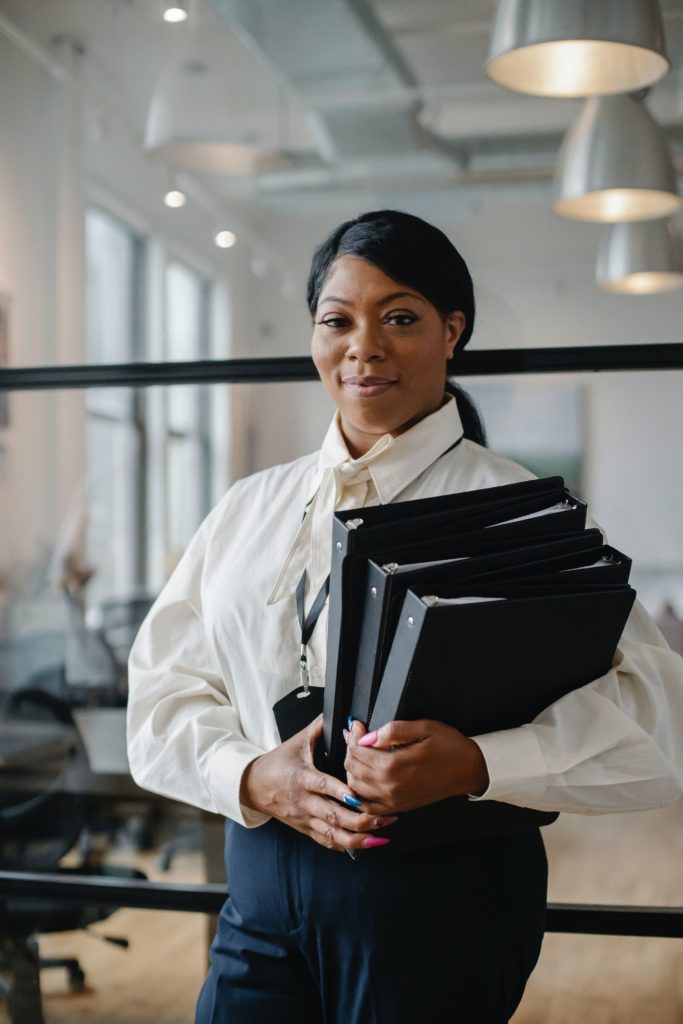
x,y
117,249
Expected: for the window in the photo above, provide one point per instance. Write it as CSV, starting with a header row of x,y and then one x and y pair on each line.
x,y
115,430
186,411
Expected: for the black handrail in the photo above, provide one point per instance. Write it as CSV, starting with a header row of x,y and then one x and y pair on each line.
x,y
88,890
282,369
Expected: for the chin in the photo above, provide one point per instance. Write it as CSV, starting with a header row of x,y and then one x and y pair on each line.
x,y
377,424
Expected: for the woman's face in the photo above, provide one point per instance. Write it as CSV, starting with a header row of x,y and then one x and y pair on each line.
x,y
381,351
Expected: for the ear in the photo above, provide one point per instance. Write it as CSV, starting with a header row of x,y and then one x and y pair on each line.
x,y
454,325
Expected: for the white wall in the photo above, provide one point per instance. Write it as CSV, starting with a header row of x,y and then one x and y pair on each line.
x,y
41,271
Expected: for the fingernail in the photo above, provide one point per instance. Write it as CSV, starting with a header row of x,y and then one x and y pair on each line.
x,y
369,739
349,721
346,734
383,822
375,841
352,801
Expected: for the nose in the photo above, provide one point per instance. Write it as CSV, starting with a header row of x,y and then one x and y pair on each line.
x,y
365,343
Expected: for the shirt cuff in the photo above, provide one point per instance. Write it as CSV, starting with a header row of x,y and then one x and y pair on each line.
x,y
226,769
518,773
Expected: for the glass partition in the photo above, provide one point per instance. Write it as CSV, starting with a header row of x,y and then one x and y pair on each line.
x,y
100,493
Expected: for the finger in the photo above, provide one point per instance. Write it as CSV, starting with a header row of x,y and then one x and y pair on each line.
x,y
381,810
314,781
339,839
314,731
356,730
396,734
369,756
336,816
372,791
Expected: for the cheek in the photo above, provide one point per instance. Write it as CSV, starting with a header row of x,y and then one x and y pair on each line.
x,y
325,361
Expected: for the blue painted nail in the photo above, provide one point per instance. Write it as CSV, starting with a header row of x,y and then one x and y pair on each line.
x,y
349,722
352,801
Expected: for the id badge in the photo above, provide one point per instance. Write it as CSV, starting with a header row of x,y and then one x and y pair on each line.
x,y
297,710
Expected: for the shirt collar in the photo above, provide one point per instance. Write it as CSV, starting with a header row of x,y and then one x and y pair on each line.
x,y
403,458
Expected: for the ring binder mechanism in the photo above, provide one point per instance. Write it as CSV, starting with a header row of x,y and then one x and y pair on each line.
x,y
417,591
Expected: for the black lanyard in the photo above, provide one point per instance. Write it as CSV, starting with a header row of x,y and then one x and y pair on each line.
x,y
308,623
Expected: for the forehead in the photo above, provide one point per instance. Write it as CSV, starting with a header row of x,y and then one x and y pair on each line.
x,y
354,279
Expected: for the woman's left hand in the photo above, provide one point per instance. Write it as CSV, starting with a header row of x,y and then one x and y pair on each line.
x,y
411,764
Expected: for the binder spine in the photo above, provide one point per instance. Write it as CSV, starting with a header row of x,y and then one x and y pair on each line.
x,y
333,696
365,683
396,675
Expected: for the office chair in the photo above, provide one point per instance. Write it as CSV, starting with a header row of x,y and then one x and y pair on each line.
x,y
38,826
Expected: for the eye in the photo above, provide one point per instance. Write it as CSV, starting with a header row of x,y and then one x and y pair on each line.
x,y
333,321
401,319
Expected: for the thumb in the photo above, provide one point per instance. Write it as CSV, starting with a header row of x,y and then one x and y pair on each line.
x,y
393,734
315,729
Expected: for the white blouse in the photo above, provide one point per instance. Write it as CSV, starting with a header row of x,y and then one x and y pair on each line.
x,y
221,644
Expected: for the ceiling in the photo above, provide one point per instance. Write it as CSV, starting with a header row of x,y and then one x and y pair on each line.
x,y
345,90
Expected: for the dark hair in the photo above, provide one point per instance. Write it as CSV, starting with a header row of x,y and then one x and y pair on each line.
x,y
414,253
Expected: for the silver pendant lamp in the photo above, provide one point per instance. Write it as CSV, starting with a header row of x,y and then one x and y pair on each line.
x,y
576,48
641,258
614,164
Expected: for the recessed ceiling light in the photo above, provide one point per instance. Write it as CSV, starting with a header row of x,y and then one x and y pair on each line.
x,y
225,239
177,11
175,198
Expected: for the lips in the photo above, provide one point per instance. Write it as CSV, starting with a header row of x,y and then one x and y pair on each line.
x,y
368,387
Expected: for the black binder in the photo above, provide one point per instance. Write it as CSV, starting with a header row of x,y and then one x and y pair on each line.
x,y
443,665
422,526
386,585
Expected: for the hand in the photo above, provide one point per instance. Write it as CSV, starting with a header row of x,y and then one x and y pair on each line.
x,y
411,764
286,784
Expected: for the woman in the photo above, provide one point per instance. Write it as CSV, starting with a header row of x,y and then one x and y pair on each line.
x,y
308,934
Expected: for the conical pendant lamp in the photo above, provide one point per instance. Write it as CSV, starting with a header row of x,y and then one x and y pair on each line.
x,y
577,47
614,164
194,124
641,258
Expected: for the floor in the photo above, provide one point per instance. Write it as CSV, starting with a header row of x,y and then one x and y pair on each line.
x,y
579,980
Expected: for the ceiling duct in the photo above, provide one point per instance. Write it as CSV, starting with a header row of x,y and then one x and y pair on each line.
x,y
336,58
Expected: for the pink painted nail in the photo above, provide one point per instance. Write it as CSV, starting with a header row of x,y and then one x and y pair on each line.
x,y
369,739
375,841
346,734
383,822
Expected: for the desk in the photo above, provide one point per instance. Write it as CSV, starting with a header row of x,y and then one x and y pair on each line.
x,y
25,744
103,732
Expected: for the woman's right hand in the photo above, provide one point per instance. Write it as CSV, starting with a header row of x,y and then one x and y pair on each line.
x,y
286,784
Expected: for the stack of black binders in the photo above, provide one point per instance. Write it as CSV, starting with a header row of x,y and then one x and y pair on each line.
x,y
477,609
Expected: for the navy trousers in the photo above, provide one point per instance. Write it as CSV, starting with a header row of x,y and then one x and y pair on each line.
x,y
309,936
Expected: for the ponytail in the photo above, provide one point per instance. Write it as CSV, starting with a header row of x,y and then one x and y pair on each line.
x,y
472,423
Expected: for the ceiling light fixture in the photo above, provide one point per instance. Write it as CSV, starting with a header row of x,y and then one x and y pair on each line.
x,y
614,164
175,198
641,259
576,48
192,125
225,239
176,12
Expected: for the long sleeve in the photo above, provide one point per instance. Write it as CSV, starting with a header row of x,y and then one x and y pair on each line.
x,y
185,739
613,745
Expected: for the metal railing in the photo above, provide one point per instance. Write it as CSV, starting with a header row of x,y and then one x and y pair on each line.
x,y
86,890
288,369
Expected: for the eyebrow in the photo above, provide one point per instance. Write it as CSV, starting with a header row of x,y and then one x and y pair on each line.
x,y
380,302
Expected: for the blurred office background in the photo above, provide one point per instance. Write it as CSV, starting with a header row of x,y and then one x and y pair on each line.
x,y
162,186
